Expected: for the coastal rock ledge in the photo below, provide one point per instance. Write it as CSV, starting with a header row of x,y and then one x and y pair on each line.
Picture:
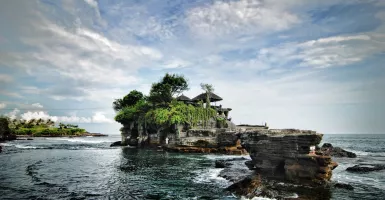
x,y
288,154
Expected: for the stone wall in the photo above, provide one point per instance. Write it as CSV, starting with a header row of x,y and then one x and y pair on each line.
x,y
285,154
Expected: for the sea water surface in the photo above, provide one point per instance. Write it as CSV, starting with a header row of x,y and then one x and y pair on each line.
x,y
87,168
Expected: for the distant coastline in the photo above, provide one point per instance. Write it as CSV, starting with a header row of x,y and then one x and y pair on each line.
x,y
70,136
11,129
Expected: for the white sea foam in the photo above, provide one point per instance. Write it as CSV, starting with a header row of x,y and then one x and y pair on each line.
x,y
25,146
256,198
6,144
211,176
80,140
224,157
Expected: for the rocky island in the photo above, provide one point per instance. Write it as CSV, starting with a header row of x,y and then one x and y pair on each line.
x,y
181,124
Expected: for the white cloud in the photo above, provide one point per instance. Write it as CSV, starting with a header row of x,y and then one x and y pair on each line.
x,y
4,78
3,105
37,105
323,52
92,3
98,117
176,63
13,114
10,94
239,17
76,56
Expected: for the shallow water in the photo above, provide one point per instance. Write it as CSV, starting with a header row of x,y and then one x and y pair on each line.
x,y
87,168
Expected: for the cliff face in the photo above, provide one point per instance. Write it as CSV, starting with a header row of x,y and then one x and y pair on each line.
x,y
286,154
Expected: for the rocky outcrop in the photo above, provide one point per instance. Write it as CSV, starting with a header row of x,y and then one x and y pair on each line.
x,y
328,149
228,162
286,155
116,144
234,150
5,131
364,168
343,186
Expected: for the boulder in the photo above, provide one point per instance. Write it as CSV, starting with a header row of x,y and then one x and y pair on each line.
x,y
117,143
227,163
328,149
222,164
285,155
343,186
247,186
364,168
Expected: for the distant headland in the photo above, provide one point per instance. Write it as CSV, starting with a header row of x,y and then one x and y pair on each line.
x,y
18,128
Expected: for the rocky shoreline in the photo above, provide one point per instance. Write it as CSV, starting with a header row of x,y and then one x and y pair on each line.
x,y
284,163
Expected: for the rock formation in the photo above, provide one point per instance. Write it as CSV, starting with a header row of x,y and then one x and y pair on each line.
x,y
364,168
286,155
328,149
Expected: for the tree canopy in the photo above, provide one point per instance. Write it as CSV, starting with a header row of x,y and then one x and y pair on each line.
x,y
129,100
162,92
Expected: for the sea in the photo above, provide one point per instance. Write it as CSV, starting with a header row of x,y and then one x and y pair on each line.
x,y
88,168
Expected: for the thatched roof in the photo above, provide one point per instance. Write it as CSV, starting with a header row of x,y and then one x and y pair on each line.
x,y
183,98
213,97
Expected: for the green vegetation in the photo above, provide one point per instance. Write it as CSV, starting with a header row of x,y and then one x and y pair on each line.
x,y
40,127
160,110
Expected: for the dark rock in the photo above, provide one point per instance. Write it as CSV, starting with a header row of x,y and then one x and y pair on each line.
x,y
285,155
222,164
343,186
328,149
246,187
365,168
117,143
235,174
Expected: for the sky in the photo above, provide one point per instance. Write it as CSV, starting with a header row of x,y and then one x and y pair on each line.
x,y
303,64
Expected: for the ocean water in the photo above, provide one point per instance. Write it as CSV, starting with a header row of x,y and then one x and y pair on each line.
x,y
87,168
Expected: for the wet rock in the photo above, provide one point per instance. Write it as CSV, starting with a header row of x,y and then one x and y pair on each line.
x,y
235,174
328,149
228,162
222,164
246,187
343,186
116,144
192,149
256,186
366,168
285,155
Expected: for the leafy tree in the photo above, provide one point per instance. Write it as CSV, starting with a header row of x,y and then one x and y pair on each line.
x,y
208,88
129,100
162,93
177,83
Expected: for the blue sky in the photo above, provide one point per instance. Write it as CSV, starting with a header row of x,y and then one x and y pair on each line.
x,y
293,64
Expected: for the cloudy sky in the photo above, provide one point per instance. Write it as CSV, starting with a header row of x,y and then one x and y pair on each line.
x,y
293,64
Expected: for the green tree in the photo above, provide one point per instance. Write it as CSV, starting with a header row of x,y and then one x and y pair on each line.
x,y
129,100
208,88
162,92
